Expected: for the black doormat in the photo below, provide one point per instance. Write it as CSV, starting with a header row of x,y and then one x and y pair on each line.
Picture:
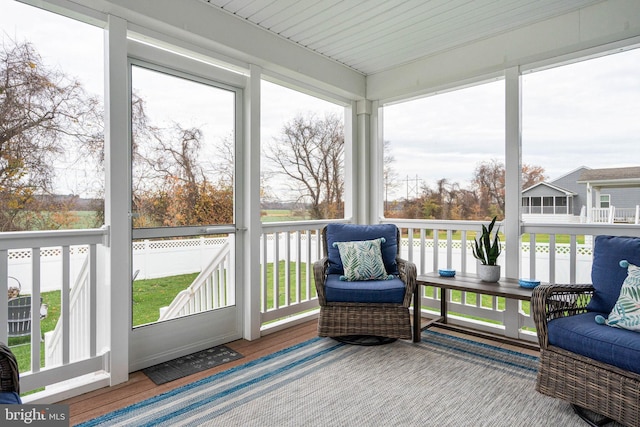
x,y
190,364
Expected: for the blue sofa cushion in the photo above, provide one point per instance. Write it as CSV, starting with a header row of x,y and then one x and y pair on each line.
x,y
606,274
582,335
10,398
371,291
352,232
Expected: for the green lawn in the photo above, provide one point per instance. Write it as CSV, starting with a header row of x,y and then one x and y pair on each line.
x,y
540,238
292,287
21,346
151,294
276,215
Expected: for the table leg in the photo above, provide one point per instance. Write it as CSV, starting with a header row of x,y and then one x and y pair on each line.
x,y
443,305
417,315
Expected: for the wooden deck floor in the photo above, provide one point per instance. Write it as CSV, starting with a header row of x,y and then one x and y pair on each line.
x,y
139,387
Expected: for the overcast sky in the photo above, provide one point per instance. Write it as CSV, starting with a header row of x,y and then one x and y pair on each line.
x,y
583,114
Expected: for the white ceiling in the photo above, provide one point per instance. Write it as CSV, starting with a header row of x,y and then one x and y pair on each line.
x,y
371,36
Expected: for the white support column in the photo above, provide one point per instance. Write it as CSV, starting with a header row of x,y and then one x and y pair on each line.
x,y
513,174
251,215
350,161
589,204
376,197
114,293
363,164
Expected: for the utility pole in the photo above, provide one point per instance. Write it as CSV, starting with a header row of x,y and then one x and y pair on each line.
x,y
413,186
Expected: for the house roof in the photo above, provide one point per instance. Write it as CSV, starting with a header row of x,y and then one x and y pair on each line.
x,y
551,186
612,177
373,36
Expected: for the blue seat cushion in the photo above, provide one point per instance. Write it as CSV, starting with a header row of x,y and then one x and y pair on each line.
x,y
582,335
356,232
606,274
10,398
368,291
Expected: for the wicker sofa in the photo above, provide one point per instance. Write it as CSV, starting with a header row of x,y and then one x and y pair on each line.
x,y
587,364
371,308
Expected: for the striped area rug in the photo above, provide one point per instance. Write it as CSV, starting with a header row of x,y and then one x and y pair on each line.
x,y
441,381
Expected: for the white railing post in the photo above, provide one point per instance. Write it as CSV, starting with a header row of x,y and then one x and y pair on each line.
x,y
612,212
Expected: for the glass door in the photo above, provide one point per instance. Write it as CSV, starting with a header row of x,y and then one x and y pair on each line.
x,y
183,139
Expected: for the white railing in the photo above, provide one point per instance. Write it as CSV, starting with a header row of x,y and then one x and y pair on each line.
x,y
288,251
627,215
213,288
290,289
550,262
76,330
612,215
602,215
92,362
491,314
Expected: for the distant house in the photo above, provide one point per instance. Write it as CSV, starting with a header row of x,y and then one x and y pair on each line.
x,y
585,195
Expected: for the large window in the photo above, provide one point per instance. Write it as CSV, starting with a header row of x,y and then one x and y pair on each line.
x,y
444,155
303,139
51,76
51,151
581,117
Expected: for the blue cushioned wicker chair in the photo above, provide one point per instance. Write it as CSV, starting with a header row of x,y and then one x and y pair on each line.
x,y
376,305
588,364
9,377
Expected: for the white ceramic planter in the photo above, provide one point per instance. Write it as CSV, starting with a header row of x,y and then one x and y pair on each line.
x,y
489,273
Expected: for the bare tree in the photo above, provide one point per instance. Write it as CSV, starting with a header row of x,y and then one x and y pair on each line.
x,y
176,189
44,114
532,175
310,154
489,183
223,164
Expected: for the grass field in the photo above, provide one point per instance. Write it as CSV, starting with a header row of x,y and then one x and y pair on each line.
x,y
278,215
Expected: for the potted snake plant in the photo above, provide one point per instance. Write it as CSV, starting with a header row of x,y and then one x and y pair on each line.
x,y
487,249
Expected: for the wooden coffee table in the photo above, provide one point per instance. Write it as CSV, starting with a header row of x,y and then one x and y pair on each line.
x,y
467,282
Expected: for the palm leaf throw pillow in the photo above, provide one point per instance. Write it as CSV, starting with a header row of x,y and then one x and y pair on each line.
x,y
362,260
626,312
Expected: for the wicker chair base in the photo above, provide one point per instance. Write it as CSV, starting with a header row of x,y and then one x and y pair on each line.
x,y
384,320
599,387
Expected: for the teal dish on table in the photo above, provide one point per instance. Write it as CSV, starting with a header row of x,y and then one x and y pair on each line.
x,y
447,273
528,283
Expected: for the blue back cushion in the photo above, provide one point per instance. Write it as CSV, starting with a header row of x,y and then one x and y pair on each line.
x,y
356,232
606,274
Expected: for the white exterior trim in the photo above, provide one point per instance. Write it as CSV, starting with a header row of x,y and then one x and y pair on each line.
x,y
115,290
